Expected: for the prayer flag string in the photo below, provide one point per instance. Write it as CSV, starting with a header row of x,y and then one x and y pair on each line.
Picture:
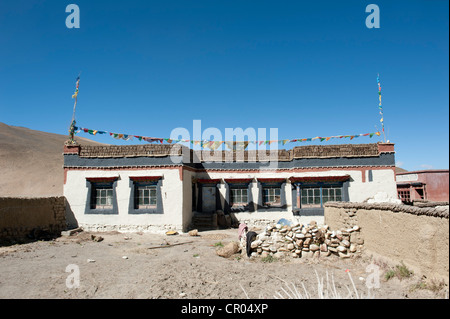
x,y
211,144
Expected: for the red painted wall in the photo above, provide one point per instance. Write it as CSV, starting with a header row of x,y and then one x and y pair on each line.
x,y
436,184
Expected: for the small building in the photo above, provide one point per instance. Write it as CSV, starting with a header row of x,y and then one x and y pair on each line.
x,y
429,185
164,186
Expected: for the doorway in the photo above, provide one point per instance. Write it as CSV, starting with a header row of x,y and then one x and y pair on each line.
x,y
209,199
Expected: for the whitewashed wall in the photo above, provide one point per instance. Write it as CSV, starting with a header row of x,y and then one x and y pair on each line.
x,y
177,196
76,192
383,182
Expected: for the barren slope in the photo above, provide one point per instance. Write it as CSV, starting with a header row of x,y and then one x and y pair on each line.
x,y
31,162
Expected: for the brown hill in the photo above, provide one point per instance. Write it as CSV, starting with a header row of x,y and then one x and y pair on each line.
x,y
400,170
31,162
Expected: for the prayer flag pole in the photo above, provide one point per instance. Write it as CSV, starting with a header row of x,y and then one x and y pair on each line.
x,y
72,123
380,107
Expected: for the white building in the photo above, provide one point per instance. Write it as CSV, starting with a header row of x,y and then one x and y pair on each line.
x,y
160,187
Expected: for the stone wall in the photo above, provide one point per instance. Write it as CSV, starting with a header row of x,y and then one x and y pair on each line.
x,y
307,240
416,236
31,217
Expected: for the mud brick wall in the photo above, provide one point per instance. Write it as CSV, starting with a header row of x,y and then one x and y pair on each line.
x,y
20,216
417,236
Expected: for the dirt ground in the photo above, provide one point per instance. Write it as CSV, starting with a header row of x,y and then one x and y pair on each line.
x,y
127,266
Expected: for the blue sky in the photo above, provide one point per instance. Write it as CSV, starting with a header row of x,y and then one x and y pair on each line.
x,y
307,68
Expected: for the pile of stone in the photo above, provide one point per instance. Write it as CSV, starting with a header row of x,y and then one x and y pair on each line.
x,y
309,240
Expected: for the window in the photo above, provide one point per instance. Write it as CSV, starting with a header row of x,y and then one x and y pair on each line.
x,y
314,191
419,192
310,196
272,196
145,196
102,195
239,196
332,194
404,195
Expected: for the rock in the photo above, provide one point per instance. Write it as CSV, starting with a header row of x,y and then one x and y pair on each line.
x,y
314,247
290,234
91,261
341,249
255,244
316,254
320,236
300,236
352,248
299,242
294,255
98,238
332,249
323,248
356,228
71,231
290,246
296,229
307,242
283,230
193,232
124,257
254,254
312,223
345,243
298,251
228,250
273,249
343,255
264,254
262,237
289,239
